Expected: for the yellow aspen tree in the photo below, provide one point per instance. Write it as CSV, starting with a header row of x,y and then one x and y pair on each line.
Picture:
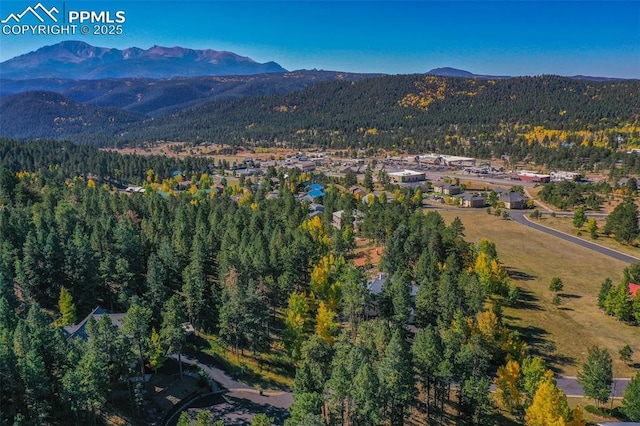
x,y
67,308
326,324
549,406
295,319
509,396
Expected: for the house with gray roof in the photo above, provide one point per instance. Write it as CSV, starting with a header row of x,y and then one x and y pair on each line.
x,y
513,200
473,200
80,330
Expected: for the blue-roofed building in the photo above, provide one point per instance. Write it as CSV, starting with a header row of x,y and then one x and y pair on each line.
x,y
176,173
315,187
316,193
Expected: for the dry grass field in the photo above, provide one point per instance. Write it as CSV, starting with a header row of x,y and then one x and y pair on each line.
x,y
560,334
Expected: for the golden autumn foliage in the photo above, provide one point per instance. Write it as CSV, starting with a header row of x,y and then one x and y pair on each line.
x,y
492,276
429,90
550,407
294,322
323,285
246,198
315,228
509,396
326,323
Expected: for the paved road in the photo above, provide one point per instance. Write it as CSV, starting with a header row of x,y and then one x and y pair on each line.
x,y
571,387
522,219
234,388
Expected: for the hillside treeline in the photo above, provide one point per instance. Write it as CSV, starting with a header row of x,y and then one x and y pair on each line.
x,y
549,120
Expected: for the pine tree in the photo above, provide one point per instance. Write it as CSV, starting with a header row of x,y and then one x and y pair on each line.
x,y
556,284
605,288
596,375
172,333
136,324
623,222
631,399
396,379
427,353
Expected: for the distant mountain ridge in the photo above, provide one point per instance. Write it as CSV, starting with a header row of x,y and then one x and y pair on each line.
x,y
454,72
154,97
82,61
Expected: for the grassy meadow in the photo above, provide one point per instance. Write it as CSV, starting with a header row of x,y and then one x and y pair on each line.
x,y
560,334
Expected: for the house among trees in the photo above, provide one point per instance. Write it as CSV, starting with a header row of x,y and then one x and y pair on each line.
x,y
357,216
356,190
79,330
375,287
633,289
513,200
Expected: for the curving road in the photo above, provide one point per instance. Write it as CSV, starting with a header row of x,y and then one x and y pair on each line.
x,y
521,218
572,388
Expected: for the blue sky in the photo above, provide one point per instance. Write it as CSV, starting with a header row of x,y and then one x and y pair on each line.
x,y
485,37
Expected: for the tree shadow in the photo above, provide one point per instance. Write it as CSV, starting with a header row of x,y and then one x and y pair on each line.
x,y
527,300
570,296
564,308
535,338
516,275
558,359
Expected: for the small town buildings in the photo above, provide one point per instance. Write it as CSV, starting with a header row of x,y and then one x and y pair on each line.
x,y
407,176
135,189
315,207
473,200
560,176
316,193
447,189
527,176
305,166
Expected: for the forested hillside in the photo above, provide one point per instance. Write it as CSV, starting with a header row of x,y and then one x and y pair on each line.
x,y
414,110
67,160
560,122
50,115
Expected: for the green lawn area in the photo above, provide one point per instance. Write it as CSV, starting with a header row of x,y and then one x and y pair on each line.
x,y
561,334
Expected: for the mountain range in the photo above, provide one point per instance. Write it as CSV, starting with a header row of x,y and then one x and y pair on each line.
x,y
69,99
79,60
